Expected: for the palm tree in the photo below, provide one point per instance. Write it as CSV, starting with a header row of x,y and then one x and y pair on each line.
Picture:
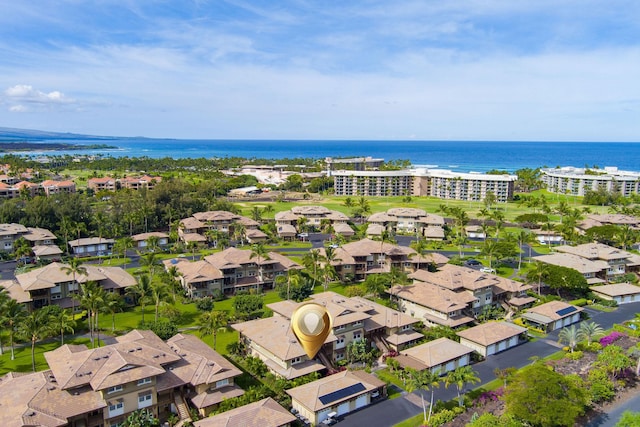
x,y
141,291
423,380
35,327
13,313
153,243
570,335
211,322
113,304
91,299
122,245
537,273
74,267
311,260
239,231
329,271
590,330
159,293
4,299
64,322
523,237
150,260
626,236
260,252
460,377
489,249
21,248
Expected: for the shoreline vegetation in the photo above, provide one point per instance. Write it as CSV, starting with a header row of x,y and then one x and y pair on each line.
x,y
24,146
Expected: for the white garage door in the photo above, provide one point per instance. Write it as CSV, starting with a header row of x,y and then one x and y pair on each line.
x,y
491,349
450,366
513,341
323,415
361,401
343,408
502,345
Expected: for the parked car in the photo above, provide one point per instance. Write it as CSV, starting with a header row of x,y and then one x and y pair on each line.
x,y
472,262
488,270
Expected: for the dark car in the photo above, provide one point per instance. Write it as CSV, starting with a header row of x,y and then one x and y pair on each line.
x,y
472,262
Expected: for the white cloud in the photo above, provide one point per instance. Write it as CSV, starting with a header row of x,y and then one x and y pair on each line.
x,y
19,95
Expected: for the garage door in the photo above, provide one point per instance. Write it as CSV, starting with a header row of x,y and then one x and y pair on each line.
x,y
502,345
491,349
513,341
343,408
323,415
450,366
361,401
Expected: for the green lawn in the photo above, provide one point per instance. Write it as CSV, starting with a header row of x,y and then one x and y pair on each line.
x,y
22,362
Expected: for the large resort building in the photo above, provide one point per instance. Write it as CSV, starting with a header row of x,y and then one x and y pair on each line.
x,y
578,181
444,184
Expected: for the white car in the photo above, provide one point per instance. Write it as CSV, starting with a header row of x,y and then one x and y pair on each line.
x,y
488,270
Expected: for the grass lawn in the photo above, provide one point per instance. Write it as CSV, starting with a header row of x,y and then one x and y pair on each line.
x,y
22,362
393,379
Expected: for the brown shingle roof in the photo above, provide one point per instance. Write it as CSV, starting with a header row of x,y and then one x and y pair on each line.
x,y
264,413
491,332
437,352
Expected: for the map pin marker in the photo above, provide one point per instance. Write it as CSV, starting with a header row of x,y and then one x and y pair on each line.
x,y
311,325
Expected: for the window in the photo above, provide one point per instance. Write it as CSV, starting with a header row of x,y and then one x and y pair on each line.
x,y
358,323
114,389
357,336
296,360
144,381
339,328
145,400
222,383
406,327
116,408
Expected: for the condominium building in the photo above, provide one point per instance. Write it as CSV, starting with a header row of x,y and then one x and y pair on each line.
x,y
311,217
578,181
102,386
408,221
440,183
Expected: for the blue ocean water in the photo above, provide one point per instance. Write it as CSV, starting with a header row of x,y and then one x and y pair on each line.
x,y
463,156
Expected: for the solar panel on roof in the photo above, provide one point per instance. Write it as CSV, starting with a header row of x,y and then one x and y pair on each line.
x,y
567,310
342,393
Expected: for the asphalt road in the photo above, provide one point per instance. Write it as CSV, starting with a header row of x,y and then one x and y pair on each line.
x,y
611,418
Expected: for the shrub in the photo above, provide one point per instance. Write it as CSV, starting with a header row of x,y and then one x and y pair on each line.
x,y
204,304
601,388
445,415
581,302
594,347
611,338
576,355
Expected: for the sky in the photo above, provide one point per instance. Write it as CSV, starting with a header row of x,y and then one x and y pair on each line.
x,y
535,70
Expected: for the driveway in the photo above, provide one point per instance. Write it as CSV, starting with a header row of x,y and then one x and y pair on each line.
x,y
383,414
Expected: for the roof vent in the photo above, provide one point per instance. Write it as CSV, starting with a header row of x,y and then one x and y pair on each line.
x,y
138,348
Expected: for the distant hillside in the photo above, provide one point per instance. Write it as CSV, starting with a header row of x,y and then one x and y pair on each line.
x,y
12,134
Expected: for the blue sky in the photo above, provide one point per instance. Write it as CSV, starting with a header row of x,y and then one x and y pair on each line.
x,y
465,69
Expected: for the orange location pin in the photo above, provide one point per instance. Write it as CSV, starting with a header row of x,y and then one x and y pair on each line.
x,y
311,324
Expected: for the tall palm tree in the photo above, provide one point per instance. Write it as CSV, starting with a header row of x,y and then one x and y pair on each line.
x,y
64,322
312,260
329,271
523,237
260,252
239,231
461,376
151,261
153,243
211,322
13,313
91,298
113,304
34,327
537,273
141,291
74,268
159,293
426,380
590,330
570,335
490,249
122,245
4,299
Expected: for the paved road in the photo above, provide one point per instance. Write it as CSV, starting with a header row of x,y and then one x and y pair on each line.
x,y
611,418
390,412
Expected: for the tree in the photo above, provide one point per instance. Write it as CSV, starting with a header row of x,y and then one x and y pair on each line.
x,y
35,327
570,335
311,260
141,418
538,272
376,284
141,291
91,298
424,380
21,249
122,245
64,322
12,315
629,419
260,252
113,304
294,286
566,279
524,237
541,397
489,250
248,306
461,376
150,261
590,330
74,268
159,293
614,360
211,322
328,270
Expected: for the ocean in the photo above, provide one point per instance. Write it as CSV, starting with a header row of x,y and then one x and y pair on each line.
x,y
462,156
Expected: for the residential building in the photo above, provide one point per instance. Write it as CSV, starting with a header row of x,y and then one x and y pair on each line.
x,y
102,386
619,261
358,318
622,293
341,393
106,183
91,246
493,337
309,217
56,187
552,315
47,253
272,340
221,221
8,191
578,181
9,233
52,284
440,183
439,356
454,296
263,413
598,220
359,259
229,271
409,221
139,182
592,270
353,163
142,240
